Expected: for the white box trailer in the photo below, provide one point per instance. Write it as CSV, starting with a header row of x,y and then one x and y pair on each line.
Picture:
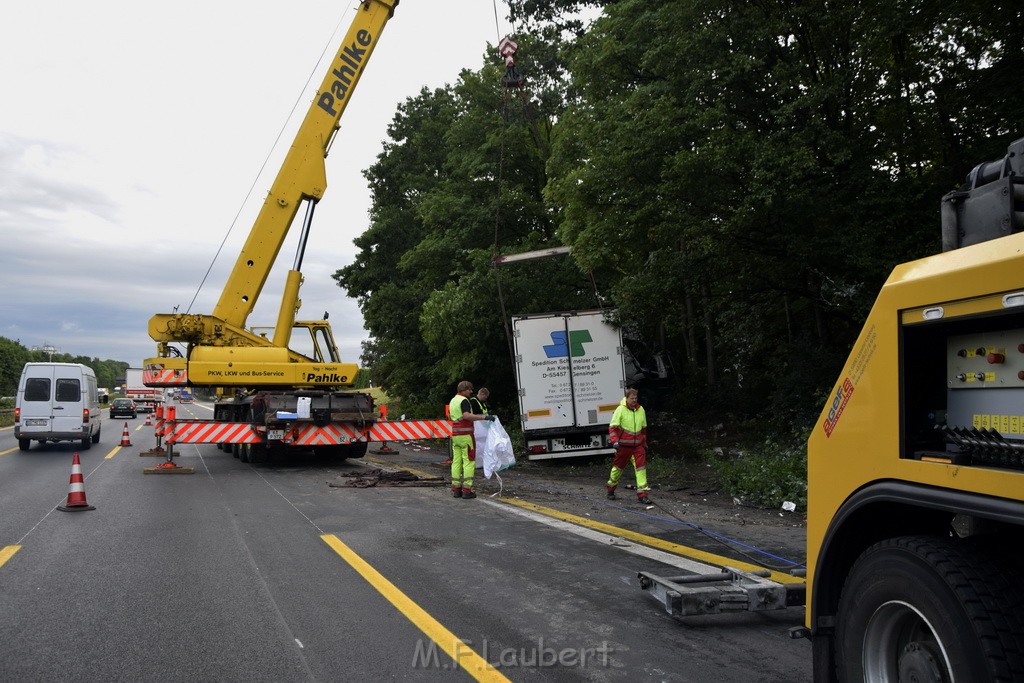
x,y
146,398
571,378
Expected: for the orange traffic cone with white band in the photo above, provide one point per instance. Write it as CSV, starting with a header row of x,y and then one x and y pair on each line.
x,y
149,419
125,439
76,490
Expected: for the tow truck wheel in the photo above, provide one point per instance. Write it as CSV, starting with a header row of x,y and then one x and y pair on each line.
x,y
919,608
243,452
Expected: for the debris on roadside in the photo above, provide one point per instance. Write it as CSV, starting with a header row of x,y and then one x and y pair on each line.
x,y
378,477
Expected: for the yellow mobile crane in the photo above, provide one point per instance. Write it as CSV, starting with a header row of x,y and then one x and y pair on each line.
x,y
279,396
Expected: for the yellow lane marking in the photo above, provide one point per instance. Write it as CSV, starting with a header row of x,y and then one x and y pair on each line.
x,y
667,546
475,665
9,450
7,553
112,453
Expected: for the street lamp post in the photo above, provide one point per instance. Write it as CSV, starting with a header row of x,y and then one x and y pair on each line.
x,y
48,349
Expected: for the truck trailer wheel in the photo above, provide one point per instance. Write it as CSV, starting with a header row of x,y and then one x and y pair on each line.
x,y
258,453
920,608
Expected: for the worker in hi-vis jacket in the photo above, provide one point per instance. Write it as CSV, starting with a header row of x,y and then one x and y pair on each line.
x,y
627,433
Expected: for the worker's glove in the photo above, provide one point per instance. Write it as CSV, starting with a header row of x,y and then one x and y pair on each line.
x,y
492,418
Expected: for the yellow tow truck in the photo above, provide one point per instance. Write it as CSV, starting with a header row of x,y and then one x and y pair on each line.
x,y
915,520
916,465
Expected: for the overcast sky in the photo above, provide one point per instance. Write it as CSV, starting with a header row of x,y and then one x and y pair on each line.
x,y
131,133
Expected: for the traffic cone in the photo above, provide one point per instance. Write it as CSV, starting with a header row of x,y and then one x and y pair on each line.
x,y
125,439
149,419
76,490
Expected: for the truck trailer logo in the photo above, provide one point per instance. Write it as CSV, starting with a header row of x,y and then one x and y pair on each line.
x,y
839,401
568,344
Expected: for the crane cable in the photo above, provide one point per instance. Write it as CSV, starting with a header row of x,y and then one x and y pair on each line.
x,y
300,97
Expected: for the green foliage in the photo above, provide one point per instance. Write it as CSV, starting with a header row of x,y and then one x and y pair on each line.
x,y
13,356
768,475
735,179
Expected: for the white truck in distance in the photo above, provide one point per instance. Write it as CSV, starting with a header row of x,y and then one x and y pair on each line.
x,y
146,398
571,378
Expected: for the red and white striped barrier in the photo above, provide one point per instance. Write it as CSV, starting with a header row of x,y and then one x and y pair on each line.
x,y
304,433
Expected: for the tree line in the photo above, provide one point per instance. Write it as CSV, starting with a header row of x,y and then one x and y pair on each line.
x,y
735,180
14,355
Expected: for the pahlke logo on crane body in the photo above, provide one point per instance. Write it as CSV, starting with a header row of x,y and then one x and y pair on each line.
x,y
351,59
568,344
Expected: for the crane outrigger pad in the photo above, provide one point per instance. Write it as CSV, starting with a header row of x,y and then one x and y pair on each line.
x,y
731,590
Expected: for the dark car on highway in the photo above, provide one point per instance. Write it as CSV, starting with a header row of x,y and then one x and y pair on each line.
x,y
123,407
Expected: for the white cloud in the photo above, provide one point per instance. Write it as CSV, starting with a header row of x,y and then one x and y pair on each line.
x,y
131,133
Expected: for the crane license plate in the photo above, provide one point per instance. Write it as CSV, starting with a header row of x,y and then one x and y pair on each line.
x,y
275,434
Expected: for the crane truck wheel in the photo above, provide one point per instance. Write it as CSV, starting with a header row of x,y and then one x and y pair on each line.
x,y
243,452
922,608
234,448
258,453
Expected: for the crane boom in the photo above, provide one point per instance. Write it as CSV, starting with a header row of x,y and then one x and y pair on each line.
x,y
220,350
302,175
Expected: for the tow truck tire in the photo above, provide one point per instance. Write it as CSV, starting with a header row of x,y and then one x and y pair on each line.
x,y
921,608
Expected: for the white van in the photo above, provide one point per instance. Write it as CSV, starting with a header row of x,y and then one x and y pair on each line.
x,y
57,402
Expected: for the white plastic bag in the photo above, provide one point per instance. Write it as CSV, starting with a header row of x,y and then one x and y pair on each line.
x,y
495,448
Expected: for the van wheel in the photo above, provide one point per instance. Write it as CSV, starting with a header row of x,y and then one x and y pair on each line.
x,y
86,443
23,444
96,436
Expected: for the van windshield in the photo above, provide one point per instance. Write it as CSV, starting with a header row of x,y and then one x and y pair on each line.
x,y
69,390
37,389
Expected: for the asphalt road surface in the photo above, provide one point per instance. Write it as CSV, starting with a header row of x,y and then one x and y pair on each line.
x,y
242,572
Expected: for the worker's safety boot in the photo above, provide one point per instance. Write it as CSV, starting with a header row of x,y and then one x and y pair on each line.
x,y
643,498
611,493
467,494
457,493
